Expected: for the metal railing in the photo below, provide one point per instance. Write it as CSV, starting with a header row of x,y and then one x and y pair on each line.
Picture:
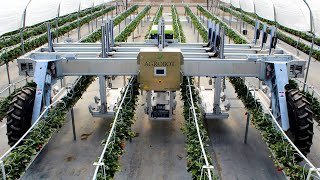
x,y
44,113
285,137
112,132
14,85
308,88
207,166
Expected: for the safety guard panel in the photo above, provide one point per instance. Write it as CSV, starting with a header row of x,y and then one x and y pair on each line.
x,y
160,70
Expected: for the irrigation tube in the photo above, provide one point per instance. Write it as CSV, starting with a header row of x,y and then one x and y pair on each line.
x,y
307,87
288,139
199,136
99,163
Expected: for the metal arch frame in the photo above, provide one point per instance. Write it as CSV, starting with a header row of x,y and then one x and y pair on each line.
x,y
108,58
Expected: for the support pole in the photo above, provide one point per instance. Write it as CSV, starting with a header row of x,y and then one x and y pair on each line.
x,y
247,128
57,24
78,24
73,125
309,60
23,27
8,74
217,92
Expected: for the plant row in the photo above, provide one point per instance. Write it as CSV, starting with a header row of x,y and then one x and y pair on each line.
x,y
177,27
229,32
42,28
13,53
96,35
122,133
155,21
284,154
115,148
21,157
300,34
300,45
30,28
93,37
4,103
125,14
197,24
194,153
126,32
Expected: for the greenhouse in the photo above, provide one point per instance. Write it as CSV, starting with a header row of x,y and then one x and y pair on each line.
x,y
180,89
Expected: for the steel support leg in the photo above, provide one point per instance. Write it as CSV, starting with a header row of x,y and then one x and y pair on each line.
x,y
39,78
217,92
149,105
8,74
281,81
171,104
103,97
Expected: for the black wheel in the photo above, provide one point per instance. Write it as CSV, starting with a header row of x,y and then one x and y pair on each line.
x,y
300,119
19,114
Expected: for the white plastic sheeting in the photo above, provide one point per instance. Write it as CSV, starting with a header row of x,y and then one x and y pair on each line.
x,y
315,8
226,1
293,14
235,3
11,14
11,11
85,4
41,10
264,9
69,6
247,5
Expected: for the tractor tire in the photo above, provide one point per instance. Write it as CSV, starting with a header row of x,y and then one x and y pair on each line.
x,y
19,114
300,119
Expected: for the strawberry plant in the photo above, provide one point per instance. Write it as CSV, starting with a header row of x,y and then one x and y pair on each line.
x,y
229,32
300,45
194,153
123,133
155,20
177,27
197,24
21,157
126,32
41,28
96,35
284,154
37,41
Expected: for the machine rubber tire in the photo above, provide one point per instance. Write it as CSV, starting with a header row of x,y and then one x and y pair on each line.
x,y
300,119
19,114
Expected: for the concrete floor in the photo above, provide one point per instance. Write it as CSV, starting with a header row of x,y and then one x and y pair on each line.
x,y
158,152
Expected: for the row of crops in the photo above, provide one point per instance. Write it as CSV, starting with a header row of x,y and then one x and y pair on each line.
x,y
248,18
13,52
284,154
20,158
